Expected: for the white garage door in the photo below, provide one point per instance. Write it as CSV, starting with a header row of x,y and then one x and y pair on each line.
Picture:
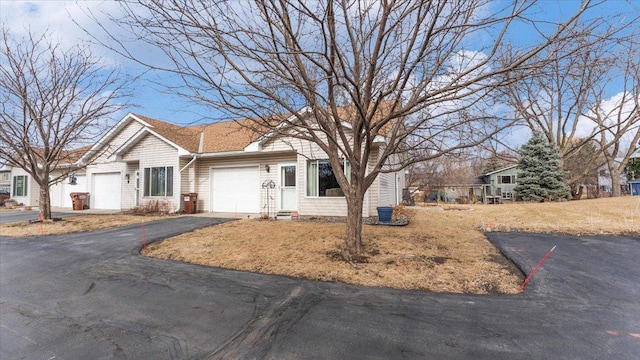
x,y
60,192
67,189
107,190
236,189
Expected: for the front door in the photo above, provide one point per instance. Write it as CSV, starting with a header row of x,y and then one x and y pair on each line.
x,y
288,194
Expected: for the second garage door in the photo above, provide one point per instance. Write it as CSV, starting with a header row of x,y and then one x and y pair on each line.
x,y
236,189
106,191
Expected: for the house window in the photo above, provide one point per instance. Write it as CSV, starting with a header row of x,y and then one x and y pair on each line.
x,y
158,181
507,179
5,176
507,195
20,185
321,180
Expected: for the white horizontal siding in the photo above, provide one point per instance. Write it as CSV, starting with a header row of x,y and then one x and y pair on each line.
x,y
125,134
386,195
33,189
150,151
385,190
128,196
325,206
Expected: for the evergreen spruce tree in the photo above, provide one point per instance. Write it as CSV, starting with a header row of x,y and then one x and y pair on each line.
x,y
539,177
492,164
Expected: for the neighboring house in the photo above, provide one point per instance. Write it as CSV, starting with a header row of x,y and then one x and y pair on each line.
x,y
142,160
24,190
5,177
490,188
634,182
634,161
604,180
634,186
499,184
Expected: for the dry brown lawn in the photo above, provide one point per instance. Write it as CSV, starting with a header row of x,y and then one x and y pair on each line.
x,y
71,224
443,249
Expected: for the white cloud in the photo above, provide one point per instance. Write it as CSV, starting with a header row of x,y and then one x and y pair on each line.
x,y
618,109
59,19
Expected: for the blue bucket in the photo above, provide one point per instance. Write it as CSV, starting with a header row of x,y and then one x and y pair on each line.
x,y
384,213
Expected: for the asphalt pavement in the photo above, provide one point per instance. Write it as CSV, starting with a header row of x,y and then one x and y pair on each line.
x,y
93,296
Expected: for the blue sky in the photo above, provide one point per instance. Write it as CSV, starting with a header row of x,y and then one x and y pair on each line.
x,y
152,100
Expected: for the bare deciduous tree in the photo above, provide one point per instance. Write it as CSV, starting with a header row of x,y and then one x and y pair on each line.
x,y
554,99
582,166
618,119
417,73
459,169
54,101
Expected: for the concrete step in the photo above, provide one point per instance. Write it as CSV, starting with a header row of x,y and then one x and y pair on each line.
x,y
287,215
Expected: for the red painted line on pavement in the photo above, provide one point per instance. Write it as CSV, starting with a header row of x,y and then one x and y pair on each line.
x,y
536,268
144,240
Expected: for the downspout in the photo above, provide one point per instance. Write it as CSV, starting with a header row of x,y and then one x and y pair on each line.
x,y
189,163
200,146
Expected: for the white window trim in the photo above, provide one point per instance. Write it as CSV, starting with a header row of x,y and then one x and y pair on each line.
x,y
144,182
508,195
306,182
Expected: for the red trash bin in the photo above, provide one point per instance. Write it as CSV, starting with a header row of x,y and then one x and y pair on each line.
x,y
190,202
80,200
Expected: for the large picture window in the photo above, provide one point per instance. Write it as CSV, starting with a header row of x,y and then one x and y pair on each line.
x,y
158,181
20,185
321,180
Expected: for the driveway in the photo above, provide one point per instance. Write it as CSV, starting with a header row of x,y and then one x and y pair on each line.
x,y
92,296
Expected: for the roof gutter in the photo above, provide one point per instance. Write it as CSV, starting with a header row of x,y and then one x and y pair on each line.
x,y
243,153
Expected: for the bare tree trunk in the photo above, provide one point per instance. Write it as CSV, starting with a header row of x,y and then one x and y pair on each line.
x,y
615,183
353,241
45,202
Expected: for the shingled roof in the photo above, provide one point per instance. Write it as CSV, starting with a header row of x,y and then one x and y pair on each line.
x,y
184,137
69,156
227,136
230,135
217,137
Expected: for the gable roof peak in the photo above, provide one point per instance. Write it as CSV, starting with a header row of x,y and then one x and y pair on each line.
x,y
501,169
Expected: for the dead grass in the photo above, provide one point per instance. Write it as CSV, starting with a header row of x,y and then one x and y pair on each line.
x,y
443,249
410,257
596,216
71,224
